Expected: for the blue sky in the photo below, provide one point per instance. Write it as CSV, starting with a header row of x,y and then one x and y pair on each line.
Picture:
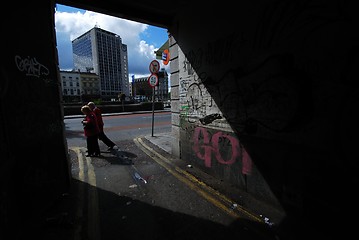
x,y
141,39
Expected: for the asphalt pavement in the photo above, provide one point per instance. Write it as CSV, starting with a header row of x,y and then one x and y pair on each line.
x,y
109,199
90,210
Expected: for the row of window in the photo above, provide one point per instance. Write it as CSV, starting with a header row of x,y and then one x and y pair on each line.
x,y
76,92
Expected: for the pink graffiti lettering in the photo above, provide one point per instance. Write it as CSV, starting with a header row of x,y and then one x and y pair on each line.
x,y
207,148
234,144
211,145
247,162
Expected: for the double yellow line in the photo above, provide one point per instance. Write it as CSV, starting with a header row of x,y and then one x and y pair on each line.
x,y
87,175
207,192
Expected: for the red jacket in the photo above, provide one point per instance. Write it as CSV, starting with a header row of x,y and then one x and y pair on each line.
x,y
98,114
91,127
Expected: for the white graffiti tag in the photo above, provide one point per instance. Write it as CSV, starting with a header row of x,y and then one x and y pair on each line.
x,y
31,66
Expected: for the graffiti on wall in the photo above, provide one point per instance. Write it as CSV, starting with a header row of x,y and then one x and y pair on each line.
x,y
209,148
196,98
284,77
30,66
34,90
268,94
263,86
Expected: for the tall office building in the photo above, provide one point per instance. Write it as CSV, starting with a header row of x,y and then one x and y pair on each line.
x,y
102,52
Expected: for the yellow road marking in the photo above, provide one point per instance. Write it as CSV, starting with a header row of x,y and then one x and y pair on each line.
x,y
87,175
81,190
196,184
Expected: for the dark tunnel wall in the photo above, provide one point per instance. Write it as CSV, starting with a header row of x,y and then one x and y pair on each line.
x,y
282,75
34,163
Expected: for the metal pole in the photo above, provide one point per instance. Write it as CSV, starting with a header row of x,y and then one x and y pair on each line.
x,y
153,108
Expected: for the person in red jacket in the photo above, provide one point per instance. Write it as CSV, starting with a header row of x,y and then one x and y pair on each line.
x,y
91,131
102,136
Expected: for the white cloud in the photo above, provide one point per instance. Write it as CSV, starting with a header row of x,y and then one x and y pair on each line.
x,y
69,26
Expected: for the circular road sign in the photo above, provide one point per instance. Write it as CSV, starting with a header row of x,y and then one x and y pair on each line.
x,y
153,80
154,66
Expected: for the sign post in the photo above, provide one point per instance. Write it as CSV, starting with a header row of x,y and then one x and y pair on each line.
x,y
153,81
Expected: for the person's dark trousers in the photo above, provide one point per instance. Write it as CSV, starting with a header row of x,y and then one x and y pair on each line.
x,y
92,145
102,136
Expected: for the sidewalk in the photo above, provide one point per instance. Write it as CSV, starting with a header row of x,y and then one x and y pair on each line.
x,y
163,141
230,195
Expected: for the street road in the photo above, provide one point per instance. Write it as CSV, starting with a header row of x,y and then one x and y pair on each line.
x,y
120,127
141,192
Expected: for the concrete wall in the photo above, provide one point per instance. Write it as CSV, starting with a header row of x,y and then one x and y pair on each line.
x,y
34,168
264,97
